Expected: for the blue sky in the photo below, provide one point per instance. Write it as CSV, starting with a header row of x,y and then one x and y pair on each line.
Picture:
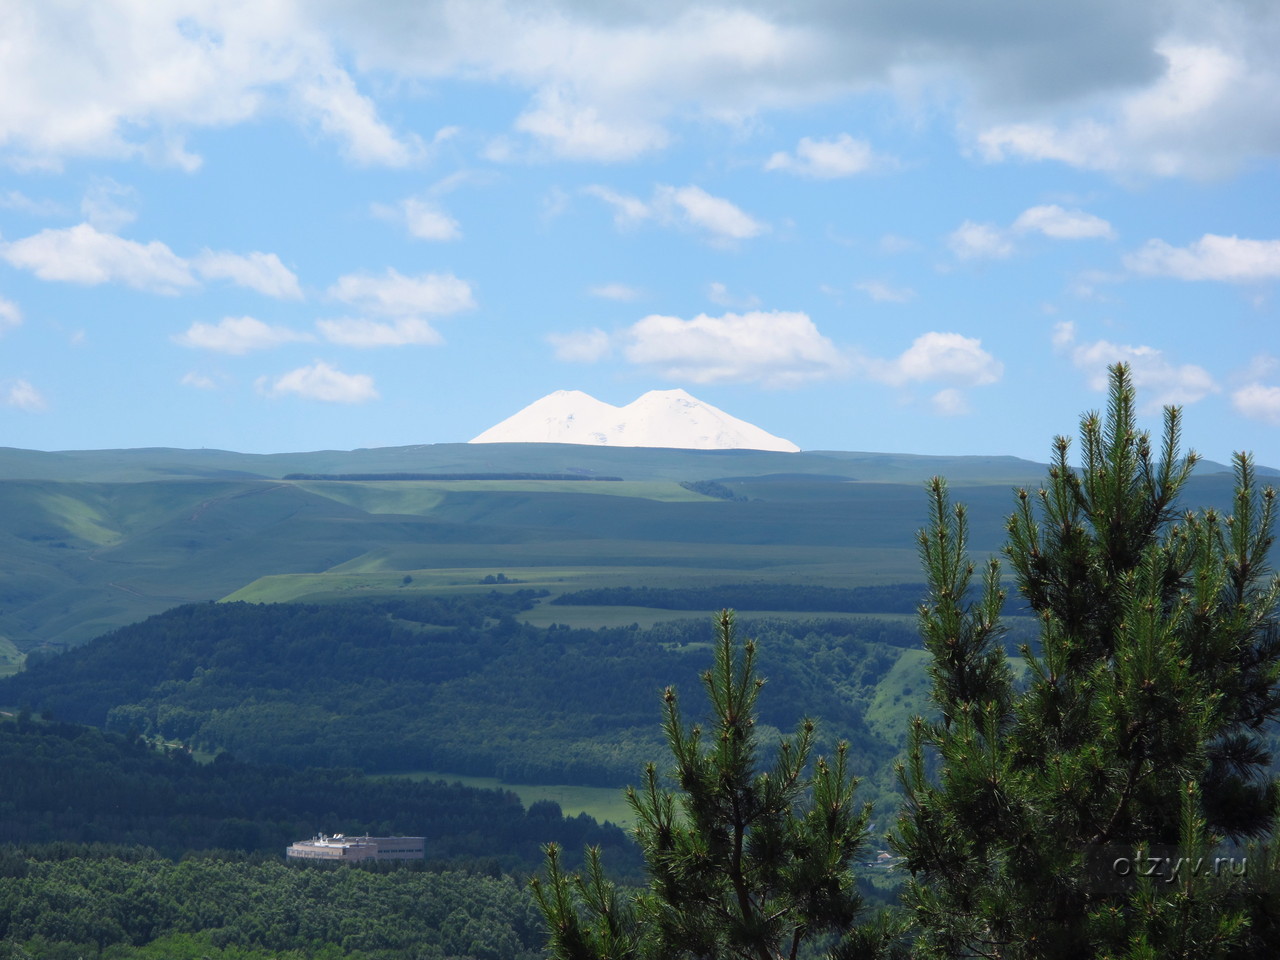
x,y
279,226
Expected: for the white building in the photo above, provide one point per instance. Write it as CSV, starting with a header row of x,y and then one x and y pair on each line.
x,y
352,849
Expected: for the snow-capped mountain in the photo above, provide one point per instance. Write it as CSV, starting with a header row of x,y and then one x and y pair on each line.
x,y
660,418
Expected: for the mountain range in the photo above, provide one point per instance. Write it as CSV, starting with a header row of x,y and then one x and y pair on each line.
x,y
659,418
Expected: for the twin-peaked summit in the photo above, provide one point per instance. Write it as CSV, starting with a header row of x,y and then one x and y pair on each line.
x,y
660,418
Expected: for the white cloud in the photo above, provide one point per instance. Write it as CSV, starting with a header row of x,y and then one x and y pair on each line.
x,y
974,241
627,210
720,295
21,394
395,295
826,159
237,335
322,382
262,272
331,98
10,315
950,402
939,357
684,207
884,293
775,349
198,381
1258,402
1161,381
615,291
17,200
1053,221
1212,257
108,205
356,332
83,254
582,346
578,131
1204,113
1143,86
86,255
717,216
422,218
127,80
987,241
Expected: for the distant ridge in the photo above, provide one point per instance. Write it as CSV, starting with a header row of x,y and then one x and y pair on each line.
x,y
659,418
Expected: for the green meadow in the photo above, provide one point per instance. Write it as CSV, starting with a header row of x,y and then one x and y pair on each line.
x,y
602,803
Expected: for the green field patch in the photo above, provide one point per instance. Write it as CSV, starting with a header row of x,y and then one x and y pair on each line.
x,y
601,803
901,696
79,518
11,658
573,565
421,497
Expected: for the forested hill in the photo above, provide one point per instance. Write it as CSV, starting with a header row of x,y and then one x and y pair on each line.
x,y
455,684
69,783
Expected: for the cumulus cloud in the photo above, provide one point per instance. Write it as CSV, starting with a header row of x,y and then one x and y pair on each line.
x,y
826,159
936,357
939,358
715,215
582,346
10,315
319,381
1053,221
1212,257
1160,380
775,349
156,71
330,97
395,295
86,255
83,254
262,272
237,335
21,394
575,130
987,241
690,208
1142,86
1258,401
422,218
357,332
1203,113
974,241
627,210
950,402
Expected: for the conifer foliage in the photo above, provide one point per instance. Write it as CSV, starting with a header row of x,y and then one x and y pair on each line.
x,y
1034,805
749,859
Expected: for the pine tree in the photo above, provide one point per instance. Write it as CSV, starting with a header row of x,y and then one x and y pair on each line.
x,y
749,859
1138,730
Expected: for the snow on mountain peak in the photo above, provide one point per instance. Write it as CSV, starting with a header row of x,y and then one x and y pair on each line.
x,y
659,418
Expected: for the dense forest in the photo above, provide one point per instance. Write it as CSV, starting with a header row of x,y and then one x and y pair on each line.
x,y
67,902
69,783
451,684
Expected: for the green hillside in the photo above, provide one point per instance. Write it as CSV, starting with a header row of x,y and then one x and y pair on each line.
x,y
98,539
